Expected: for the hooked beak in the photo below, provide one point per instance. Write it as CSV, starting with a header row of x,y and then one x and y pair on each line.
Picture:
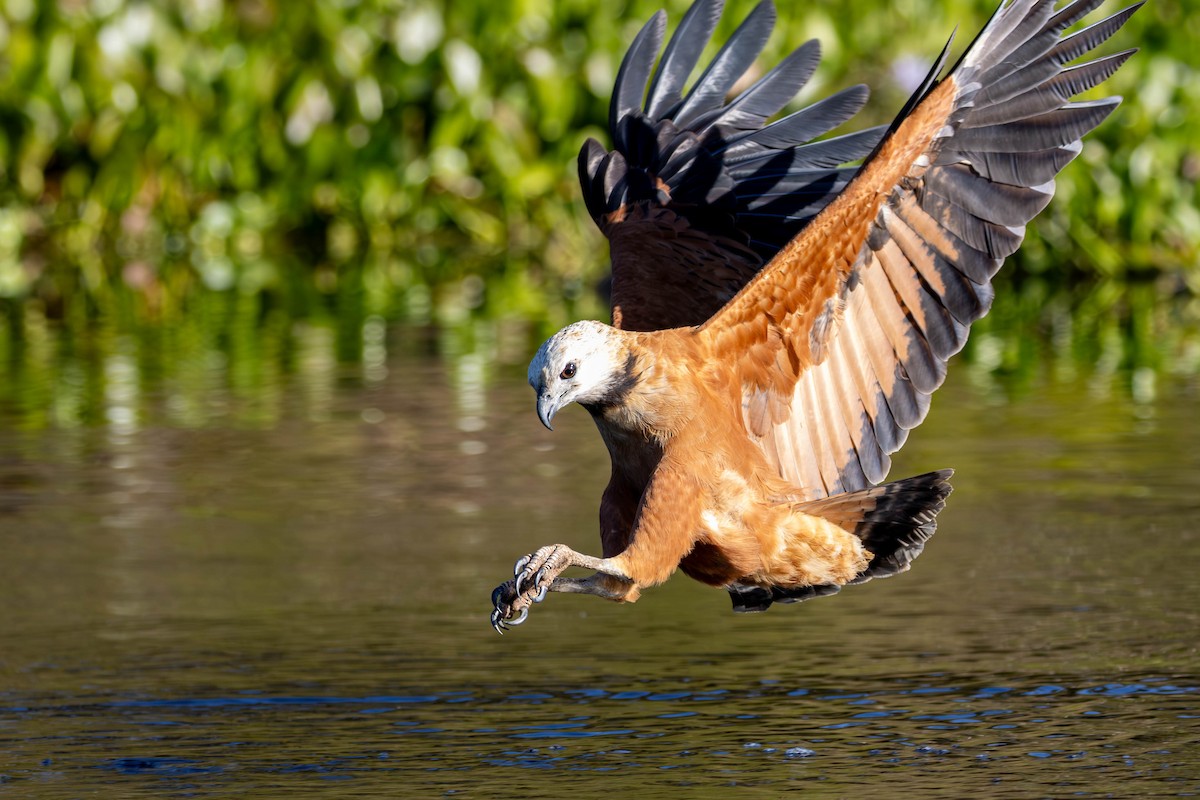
x,y
547,407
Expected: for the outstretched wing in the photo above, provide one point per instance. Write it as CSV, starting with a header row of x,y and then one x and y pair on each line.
x,y
840,341
700,193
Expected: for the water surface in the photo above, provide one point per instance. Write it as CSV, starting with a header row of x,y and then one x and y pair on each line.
x,y
211,592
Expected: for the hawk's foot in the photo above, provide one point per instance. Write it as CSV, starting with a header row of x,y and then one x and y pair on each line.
x,y
533,576
510,608
539,569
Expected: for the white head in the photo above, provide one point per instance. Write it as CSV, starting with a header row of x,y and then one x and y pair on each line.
x,y
586,362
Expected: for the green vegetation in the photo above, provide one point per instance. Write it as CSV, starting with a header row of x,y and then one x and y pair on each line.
x,y
225,169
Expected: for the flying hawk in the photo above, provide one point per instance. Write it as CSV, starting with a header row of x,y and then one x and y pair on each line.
x,y
780,319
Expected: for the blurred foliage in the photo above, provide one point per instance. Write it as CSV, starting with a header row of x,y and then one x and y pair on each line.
x,y
254,162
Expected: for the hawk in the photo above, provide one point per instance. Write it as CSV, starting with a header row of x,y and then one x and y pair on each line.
x,y
780,319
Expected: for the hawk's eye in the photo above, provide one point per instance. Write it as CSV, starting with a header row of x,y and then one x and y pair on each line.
x,y
568,371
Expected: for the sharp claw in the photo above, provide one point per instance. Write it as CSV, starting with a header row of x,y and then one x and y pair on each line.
x,y
541,574
497,623
520,565
520,619
541,595
519,571
497,593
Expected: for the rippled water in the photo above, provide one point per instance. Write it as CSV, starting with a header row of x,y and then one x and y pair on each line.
x,y
288,591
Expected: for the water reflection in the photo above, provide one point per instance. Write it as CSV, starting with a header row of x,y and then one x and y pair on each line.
x,y
233,574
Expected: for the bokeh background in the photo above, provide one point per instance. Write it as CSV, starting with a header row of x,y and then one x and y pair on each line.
x,y
190,182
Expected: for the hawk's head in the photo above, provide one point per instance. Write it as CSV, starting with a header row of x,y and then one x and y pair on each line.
x,y
587,363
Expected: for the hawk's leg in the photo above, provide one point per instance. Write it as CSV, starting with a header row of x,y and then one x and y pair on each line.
x,y
538,573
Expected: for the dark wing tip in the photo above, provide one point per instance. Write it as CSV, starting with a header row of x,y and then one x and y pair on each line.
x,y
634,72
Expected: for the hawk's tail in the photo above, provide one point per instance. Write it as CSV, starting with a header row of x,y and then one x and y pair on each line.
x,y
893,521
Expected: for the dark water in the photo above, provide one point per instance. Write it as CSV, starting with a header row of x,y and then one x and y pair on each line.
x,y
225,593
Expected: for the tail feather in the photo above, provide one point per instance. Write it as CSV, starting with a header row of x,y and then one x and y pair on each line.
x,y
893,521
904,517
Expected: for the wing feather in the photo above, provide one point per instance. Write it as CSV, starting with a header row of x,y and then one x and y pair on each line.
x,y
1053,92
825,432
699,192
634,71
898,391
807,123
930,322
1042,132
870,461
846,466
999,203
772,92
908,249
900,324
963,299
975,263
680,58
853,352
1022,169
825,153
730,64
997,241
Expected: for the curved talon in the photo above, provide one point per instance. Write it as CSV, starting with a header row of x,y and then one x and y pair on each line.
x,y
519,572
520,619
497,593
541,595
539,577
520,565
497,623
